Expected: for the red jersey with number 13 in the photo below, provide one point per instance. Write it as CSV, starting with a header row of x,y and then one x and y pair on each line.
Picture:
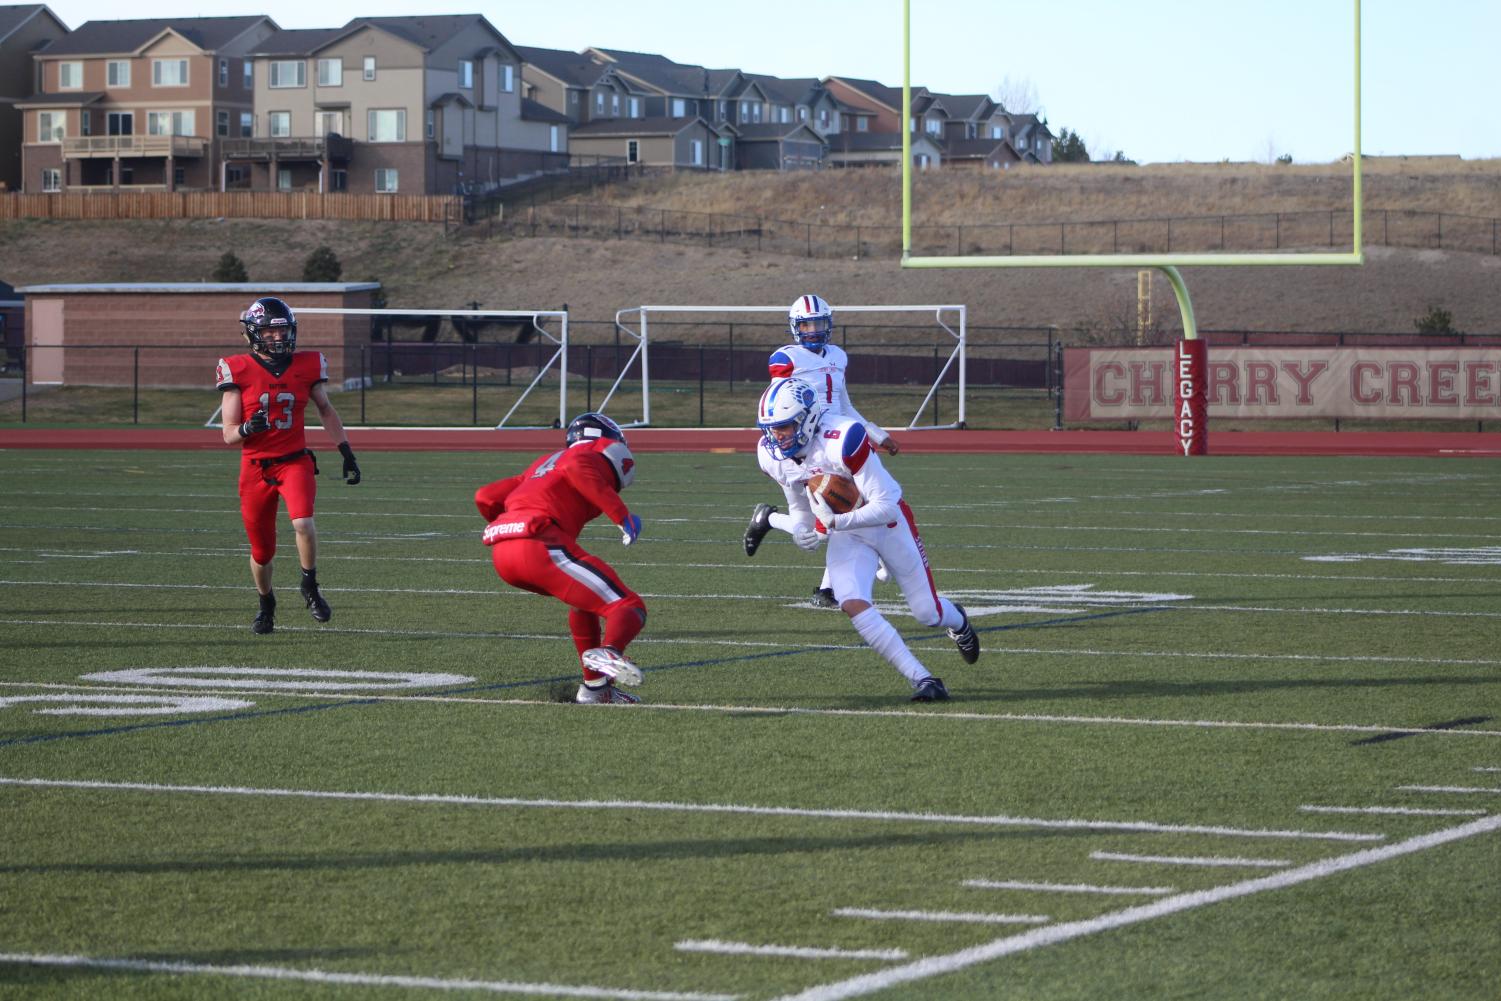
x,y
282,392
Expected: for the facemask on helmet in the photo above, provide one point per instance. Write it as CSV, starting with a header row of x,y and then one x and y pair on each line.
x,y
270,326
788,417
811,321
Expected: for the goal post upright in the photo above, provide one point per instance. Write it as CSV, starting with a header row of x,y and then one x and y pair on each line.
x,y
956,326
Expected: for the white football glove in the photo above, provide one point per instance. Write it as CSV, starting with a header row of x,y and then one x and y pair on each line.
x,y
822,511
806,537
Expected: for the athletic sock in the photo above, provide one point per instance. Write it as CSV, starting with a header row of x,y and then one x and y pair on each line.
x,y
949,616
584,626
884,640
310,579
622,625
268,601
783,522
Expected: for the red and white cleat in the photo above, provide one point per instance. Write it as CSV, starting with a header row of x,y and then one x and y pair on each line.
x,y
612,664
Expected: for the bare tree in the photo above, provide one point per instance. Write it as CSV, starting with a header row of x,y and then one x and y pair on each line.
x,y
1017,96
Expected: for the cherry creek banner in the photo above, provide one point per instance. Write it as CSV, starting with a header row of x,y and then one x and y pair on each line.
x,y
1408,382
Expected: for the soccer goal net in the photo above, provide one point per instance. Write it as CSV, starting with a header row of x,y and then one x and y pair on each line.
x,y
901,358
425,366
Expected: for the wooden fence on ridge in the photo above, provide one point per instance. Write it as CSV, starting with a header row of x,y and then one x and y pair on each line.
x,y
231,205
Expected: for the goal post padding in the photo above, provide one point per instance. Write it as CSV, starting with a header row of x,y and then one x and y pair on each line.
x,y
951,319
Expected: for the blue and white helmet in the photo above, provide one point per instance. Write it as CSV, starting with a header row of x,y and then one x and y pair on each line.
x,y
793,402
811,321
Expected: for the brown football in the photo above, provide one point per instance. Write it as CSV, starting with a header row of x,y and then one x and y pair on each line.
x,y
839,492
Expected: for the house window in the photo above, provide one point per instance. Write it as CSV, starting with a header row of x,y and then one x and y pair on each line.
x,y
369,70
338,180
386,181
85,123
432,124
179,176
508,78
247,124
632,151
52,179
233,176
50,126
802,114
224,72
724,110
284,179
127,174
169,72
119,123
248,79
70,76
221,123
997,132
287,73
823,117
169,123
679,108
279,124
599,102
862,124
933,126
615,105
634,103
117,73
696,146
330,72
388,126
466,74
330,123
552,138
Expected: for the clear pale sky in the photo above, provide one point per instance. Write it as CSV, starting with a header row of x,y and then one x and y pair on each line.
x,y
1160,80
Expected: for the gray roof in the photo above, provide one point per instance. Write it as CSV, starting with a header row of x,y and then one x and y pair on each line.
x,y
672,78
764,131
797,91
297,41
869,141
12,18
966,105
657,126
573,68
535,111
979,148
889,96
428,32
107,37
66,99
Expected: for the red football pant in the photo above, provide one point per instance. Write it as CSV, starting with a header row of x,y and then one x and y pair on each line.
x,y
557,567
291,481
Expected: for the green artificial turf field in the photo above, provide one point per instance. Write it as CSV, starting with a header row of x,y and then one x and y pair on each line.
x,y
1236,733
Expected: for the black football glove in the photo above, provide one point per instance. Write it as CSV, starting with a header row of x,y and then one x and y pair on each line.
x,y
351,468
257,423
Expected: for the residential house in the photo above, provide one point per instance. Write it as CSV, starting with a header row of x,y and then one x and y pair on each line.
x,y
1032,138
428,104
675,90
24,30
969,116
995,154
686,142
778,146
867,149
799,100
877,103
581,88
138,104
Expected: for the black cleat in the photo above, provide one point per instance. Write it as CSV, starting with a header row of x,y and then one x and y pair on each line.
x,y
316,604
965,639
823,597
265,622
930,689
760,524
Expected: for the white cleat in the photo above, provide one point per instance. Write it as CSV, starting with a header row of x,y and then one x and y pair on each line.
x,y
605,694
612,664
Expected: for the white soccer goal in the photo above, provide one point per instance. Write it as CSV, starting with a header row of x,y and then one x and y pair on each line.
x,y
539,318
636,323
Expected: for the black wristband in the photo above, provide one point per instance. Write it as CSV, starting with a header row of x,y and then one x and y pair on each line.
x,y
346,451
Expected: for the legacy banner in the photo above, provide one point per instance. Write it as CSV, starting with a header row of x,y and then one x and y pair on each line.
x,y
1412,382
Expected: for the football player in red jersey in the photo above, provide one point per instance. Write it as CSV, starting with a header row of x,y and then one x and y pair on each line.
x,y
534,522
265,392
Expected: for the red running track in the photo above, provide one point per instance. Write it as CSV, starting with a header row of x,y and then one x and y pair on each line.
x,y
1453,444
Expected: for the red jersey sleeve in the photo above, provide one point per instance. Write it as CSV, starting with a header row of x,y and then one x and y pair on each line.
x,y
491,498
594,478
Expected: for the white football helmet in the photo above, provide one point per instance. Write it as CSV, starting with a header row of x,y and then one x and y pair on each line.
x,y
788,416
811,321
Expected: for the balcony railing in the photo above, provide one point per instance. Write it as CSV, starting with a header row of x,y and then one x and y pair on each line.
x,y
133,146
334,147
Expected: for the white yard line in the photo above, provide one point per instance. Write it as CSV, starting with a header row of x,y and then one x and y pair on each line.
x,y
329,977
1037,938
792,951
1400,811
1111,891
1491,790
997,820
956,917
1203,860
920,716
1485,768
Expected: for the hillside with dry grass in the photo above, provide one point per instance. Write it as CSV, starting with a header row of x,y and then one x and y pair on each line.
x,y
421,266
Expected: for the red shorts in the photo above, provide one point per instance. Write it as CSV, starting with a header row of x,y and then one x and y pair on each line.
x,y
554,565
260,487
